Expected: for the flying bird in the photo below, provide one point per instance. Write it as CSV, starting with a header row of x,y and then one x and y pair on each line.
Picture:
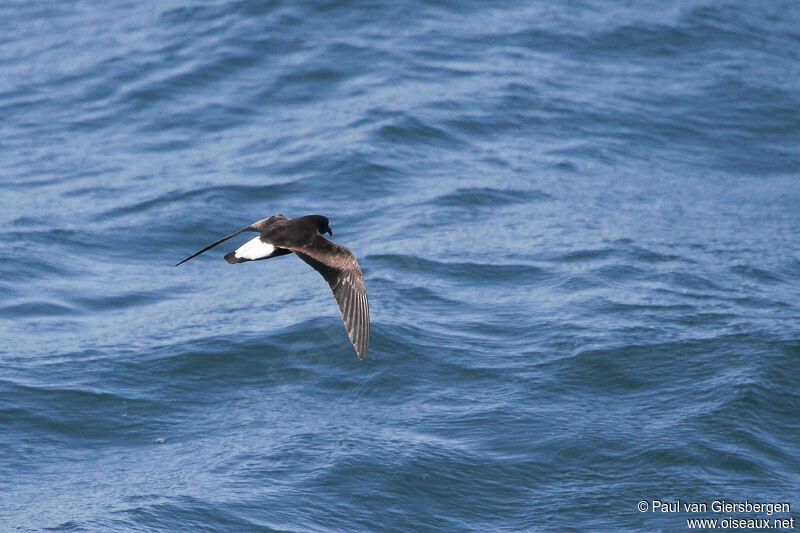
x,y
304,236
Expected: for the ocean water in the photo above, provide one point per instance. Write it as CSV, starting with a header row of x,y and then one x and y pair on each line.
x,y
578,223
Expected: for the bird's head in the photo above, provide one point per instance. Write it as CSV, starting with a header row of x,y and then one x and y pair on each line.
x,y
322,225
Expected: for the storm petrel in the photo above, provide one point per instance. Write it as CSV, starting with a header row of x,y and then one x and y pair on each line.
x,y
278,235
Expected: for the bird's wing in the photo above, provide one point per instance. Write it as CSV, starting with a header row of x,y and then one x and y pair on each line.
x,y
340,269
213,244
255,226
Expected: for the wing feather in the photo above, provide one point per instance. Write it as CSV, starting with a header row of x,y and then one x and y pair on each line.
x,y
258,227
213,244
340,269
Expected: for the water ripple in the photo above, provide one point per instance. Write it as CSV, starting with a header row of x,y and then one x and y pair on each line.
x,y
577,224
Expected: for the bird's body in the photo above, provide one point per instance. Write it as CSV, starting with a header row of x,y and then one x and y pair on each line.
x,y
278,235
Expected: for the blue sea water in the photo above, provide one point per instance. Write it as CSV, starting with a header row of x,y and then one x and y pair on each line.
x,y
578,223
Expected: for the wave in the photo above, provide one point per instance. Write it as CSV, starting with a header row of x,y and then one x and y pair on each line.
x,y
488,197
478,272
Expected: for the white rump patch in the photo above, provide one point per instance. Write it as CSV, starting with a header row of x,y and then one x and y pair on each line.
x,y
254,249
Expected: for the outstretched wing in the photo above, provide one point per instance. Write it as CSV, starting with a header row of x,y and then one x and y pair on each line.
x,y
259,227
340,269
213,244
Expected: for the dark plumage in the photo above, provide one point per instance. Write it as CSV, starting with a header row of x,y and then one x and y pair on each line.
x,y
278,235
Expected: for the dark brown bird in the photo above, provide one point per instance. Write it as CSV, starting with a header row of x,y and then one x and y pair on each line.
x,y
278,235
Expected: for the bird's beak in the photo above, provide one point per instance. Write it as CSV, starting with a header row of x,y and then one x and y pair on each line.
x,y
330,232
